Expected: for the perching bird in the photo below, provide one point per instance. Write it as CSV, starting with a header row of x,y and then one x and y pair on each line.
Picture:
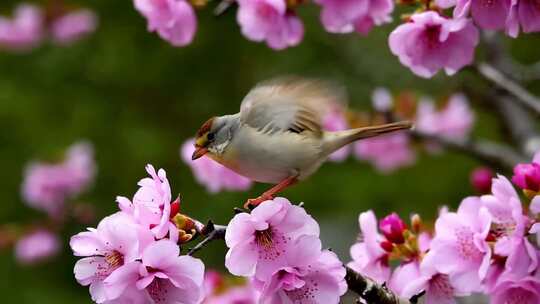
x,y
277,136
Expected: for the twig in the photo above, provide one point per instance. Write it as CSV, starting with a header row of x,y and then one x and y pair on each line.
x,y
522,95
370,291
496,155
222,7
517,120
518,123
212,232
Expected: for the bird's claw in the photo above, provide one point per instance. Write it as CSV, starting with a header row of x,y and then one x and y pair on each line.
x,y
254,202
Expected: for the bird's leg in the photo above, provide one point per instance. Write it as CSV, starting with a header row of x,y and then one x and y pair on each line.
x,y
269,194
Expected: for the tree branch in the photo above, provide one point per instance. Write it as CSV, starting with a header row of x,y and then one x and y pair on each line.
x,y
371,291
210,231
522,95
496,155
366,288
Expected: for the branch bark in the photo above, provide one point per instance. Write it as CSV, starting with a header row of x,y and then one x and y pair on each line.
x,y
371,291
522,95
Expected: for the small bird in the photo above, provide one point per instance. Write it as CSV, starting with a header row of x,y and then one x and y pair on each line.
x,y
277,136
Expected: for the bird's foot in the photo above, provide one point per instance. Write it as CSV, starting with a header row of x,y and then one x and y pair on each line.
x,y
254,202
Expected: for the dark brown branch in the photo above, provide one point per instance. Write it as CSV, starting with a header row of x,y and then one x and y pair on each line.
x,y
523,96
496,155
371,291
211,232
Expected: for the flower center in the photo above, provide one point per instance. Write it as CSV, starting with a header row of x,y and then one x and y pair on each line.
x,y
439,284
305,294
264,238
271,244
432,36
156,290
264,10
466,247
519,296
114,259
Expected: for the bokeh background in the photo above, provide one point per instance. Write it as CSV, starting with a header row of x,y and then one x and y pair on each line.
x,y
137,99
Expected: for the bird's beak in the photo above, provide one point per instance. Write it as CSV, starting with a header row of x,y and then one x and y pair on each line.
x,y
199,152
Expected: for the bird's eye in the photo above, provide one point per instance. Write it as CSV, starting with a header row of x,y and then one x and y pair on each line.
x,y
210,136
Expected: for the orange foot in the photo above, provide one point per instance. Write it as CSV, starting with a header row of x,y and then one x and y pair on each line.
x,y
254,202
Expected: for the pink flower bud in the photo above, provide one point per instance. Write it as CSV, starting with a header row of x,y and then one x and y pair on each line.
x,y
392,227
481,179
527,176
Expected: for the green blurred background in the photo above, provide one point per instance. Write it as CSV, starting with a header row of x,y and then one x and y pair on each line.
x,y
137,99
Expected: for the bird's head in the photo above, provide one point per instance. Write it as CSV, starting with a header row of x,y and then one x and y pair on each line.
x,y
212,136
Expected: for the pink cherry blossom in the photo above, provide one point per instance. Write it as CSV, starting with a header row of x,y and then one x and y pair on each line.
x,y
112,247
24,31
151,206
73,26
313,277
430,42
460,241
368,256
37,246
47,186
214,176
259,242
269,21
173,20
490,15
387,152
522,291
410,279
481,179
347,16
505,208
527,176
167,277
454,121
524,14
335,120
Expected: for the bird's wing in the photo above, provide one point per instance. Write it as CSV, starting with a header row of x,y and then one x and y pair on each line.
x,y
290,104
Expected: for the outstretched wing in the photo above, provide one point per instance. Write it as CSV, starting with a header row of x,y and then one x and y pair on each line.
x,y
290,104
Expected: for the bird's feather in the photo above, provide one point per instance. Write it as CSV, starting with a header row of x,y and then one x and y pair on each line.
x,y
290,104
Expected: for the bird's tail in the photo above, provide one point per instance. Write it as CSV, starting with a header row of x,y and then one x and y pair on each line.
x,y
337,139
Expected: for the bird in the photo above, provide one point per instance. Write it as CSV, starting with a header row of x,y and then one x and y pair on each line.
x,y
277,137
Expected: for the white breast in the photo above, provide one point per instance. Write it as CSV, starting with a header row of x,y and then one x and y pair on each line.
x,y
270,158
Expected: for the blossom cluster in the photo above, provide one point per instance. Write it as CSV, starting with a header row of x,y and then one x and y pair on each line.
x,y
393,151
30,25
427,42
486,246
277,247
48,187
133,256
